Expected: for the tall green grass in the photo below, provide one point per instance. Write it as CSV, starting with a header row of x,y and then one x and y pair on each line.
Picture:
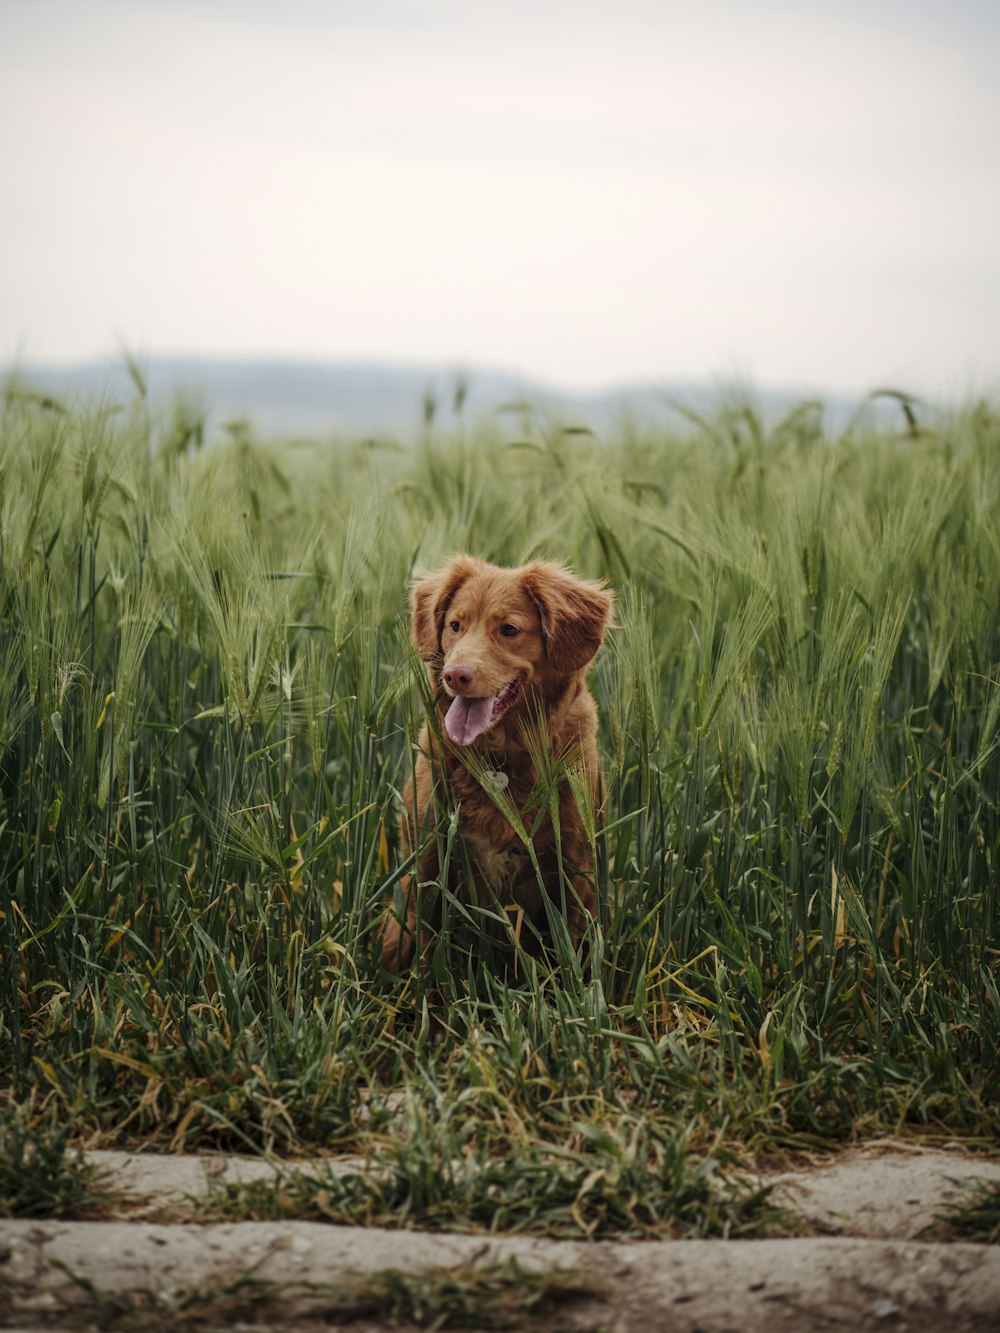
x,y
207,712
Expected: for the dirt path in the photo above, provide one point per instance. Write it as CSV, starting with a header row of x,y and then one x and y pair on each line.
x,y
868,1267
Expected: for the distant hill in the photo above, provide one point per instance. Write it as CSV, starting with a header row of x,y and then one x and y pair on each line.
x,y
322,399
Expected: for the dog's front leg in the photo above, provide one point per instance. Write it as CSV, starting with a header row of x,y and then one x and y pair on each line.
x,y
414,917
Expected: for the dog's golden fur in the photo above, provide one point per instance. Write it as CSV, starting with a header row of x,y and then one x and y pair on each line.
x,y
504,647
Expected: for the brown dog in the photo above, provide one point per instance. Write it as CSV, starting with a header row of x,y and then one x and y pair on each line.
x,y
507,650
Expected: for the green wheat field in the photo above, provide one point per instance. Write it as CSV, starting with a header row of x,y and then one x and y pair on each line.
x,y
208,708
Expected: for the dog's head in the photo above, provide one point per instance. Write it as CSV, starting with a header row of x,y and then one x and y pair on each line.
x,y
490,633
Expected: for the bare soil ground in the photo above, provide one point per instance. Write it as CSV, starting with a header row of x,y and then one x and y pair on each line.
x,y
863,1259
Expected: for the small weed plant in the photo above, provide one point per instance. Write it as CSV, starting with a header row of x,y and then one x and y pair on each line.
x,y
41,1177
975,1218
488,1295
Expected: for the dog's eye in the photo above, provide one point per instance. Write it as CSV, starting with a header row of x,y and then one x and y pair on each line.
x,y
455,627
509,631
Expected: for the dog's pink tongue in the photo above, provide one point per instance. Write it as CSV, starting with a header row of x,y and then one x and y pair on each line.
x,y
468,718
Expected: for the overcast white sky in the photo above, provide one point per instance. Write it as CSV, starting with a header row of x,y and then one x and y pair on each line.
x,y
806,194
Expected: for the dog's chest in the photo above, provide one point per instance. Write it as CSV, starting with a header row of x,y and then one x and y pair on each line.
x,y
499,865
493,846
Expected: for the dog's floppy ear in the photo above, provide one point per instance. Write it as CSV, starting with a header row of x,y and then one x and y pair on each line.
x,y
575,613
430,598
